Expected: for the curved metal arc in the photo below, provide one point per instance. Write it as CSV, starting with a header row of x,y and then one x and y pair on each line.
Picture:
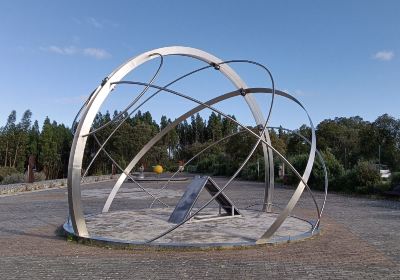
x,y
213,197
278,222
155,139
88,115
197,70
154,94
130,177
234,93
130,114
195,156
303,178
117,118
74,172
224,187
268,155
320,157
270,76
206,67
295,197
80,111
319,212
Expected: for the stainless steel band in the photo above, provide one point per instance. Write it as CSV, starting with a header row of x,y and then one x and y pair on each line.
x,y
92,106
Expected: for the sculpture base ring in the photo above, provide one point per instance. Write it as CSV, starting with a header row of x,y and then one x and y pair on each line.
x,y
127,228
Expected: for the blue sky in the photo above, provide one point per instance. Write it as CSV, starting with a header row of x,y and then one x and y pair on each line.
x,y
340,58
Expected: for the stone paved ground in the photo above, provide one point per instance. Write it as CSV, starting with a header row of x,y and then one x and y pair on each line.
x,y
360,240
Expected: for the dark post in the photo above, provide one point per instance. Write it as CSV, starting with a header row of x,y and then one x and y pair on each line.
x,y
113,170
31,166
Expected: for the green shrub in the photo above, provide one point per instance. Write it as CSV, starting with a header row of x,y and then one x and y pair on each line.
x,y
382,186
249,172
13,179
170,166
205,164
334,168
214,164
346,182
39,176
366,174
362,178
6,171
299,162
191,168
395,179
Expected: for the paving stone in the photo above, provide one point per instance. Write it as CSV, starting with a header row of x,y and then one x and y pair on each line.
x,y
360,240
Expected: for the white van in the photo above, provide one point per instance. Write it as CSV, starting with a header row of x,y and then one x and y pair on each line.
x,y
384,172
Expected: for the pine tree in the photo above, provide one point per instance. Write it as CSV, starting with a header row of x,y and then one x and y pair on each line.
x,y
9,135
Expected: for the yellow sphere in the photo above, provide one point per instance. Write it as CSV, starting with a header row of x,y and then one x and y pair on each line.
x,y
158,169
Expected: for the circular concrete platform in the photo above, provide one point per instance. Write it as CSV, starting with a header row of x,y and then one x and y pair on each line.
x,y
137,226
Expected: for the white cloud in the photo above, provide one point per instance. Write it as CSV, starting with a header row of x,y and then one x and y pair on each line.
x,y
61,50
96,53
21,48
77,21
111,23
384,55
72,50
94,22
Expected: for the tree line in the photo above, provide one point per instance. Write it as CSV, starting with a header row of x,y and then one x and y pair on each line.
x,y
351,146
19,140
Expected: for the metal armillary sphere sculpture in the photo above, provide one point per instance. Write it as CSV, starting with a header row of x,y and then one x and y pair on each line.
x,y
83,129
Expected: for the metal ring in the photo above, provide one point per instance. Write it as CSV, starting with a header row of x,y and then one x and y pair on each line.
x,y
89,112
92,105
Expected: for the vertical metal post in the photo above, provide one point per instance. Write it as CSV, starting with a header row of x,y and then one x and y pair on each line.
x,y
269,177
